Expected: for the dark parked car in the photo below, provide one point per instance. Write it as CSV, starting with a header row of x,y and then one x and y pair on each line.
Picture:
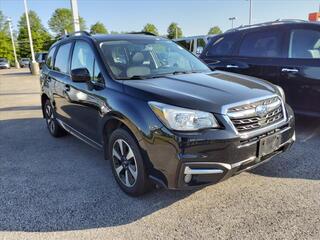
x,y
4,63
286,53
167,120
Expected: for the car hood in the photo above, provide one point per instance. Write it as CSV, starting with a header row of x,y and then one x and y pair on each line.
x,y
201,91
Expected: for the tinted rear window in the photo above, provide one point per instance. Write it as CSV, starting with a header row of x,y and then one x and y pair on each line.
x,y
261,44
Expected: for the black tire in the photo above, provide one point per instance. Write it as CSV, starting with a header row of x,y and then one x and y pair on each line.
x,y
53,126
141,183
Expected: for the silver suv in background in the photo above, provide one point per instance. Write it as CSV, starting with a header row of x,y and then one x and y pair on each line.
x,y
194,44
4,63
24,62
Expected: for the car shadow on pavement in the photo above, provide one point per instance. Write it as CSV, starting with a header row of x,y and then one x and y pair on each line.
x,y
18,74
49,184
302,161
20,108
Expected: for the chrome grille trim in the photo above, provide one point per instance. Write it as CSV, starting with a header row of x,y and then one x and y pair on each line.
x,y
246,124
248,110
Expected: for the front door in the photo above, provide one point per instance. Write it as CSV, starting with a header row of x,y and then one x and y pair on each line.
x,y
85,100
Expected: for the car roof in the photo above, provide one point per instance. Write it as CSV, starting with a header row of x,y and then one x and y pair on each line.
x,y
277,23
107,37
117,37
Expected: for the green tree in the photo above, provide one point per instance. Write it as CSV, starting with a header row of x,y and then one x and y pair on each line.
x,y
150,28
6,50
98,27
215,30
40,37
62,20
174,31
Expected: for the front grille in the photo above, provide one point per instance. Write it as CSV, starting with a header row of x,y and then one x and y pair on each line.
x,y
252,116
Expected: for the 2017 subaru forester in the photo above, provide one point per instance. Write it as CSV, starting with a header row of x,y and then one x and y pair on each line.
x,y
158,113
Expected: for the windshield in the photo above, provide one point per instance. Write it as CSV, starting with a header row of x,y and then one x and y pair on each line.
x,y
148,58
3,60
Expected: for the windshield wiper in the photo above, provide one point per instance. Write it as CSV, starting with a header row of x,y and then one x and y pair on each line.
x,y
184,72
135,77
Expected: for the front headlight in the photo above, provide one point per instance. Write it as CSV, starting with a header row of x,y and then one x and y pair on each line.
x,y
182,119
281,92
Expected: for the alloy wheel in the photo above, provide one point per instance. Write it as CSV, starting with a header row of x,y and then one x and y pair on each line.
x,y
50,118
124,162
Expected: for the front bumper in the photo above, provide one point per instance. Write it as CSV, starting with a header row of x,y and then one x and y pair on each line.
x,y
180,161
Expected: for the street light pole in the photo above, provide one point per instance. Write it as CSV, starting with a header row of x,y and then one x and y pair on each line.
x,y
232,19
250,12
13,46
34,64
75,14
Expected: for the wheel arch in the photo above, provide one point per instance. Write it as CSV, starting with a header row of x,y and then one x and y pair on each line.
x,y
116,120
44,98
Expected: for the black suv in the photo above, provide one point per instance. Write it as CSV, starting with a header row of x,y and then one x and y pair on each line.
x,y
286,53
158,113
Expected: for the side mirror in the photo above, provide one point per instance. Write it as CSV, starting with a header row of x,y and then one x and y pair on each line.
x,y
199,50
80,75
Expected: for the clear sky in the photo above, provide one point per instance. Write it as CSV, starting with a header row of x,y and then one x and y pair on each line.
x,y
195,17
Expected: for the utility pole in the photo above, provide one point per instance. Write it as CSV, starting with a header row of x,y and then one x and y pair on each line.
x,y
75,14
34,65
250,12
232,19
13,46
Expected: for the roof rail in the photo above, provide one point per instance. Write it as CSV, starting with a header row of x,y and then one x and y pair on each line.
x,y
266,24
145,33
77,33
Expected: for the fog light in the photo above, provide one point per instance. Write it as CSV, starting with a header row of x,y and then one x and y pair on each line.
x,y
187,178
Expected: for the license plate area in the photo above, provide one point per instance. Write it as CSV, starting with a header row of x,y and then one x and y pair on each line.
x,y
269,144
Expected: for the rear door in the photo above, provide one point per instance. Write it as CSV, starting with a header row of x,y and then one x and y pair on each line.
x,y
261,53
60,74
300,73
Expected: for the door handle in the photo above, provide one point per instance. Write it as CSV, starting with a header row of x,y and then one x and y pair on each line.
x,y
290,70
232,66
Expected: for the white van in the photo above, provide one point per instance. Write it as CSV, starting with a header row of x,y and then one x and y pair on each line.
x,y
194,44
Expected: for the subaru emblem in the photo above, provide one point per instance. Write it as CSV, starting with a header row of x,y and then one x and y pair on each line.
x,y
262,110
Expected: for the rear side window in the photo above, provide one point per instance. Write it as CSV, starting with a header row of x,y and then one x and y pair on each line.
x,y
49,61
261,44
62,57
304,43
222,46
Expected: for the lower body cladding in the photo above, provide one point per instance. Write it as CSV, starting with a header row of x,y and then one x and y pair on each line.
x,y
215,155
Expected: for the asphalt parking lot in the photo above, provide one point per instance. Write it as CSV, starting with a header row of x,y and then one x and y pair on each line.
x,y
63,189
